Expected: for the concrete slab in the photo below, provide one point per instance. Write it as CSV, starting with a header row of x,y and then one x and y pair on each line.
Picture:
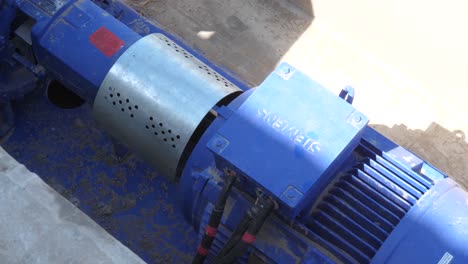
x,y
38,225
407,61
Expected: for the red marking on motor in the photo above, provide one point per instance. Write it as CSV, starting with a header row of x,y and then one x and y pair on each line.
x,y
202,251
106,41
248,238
210,231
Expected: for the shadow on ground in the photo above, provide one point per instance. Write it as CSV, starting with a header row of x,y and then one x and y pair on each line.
x,y
446,150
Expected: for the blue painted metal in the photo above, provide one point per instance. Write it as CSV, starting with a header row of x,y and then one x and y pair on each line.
x,y
142,26
347,94
362,208
8,119
75,61
347,194
61,39
7,14
365,211
353,227
266,128
127,198
15,79
436,228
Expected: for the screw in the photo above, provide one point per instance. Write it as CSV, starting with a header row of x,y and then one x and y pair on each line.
x,y
230,172
291,194
285,71
357,119
219,143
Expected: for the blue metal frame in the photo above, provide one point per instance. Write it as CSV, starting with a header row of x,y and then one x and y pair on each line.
x,y
366,200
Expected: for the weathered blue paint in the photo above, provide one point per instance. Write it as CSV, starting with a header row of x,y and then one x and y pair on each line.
x,y
346,193
129,199
284,115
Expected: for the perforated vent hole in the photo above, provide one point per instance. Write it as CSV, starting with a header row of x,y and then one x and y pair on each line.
x,y
176,47
154,127
215,75
202,66
125,105
158,130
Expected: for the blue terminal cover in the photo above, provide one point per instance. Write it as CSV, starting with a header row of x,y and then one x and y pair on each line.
x,y
289,137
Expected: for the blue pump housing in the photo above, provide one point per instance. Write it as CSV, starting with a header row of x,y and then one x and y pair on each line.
x,y
375,206
79,41
76,62
346,193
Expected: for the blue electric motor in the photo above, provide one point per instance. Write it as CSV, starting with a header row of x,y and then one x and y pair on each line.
x,y
284,173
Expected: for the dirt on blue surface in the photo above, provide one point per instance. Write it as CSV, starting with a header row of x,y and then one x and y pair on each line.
x,y
122,194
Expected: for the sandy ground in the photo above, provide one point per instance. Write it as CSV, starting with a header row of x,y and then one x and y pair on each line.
x,y
408,61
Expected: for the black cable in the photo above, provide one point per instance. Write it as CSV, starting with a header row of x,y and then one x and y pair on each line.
x,y
236,234
260,212
213,222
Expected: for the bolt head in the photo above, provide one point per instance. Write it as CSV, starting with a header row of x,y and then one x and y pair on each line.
x,y
291,194
357,119
219,143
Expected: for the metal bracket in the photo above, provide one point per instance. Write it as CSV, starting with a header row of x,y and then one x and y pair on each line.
x,y
347,94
